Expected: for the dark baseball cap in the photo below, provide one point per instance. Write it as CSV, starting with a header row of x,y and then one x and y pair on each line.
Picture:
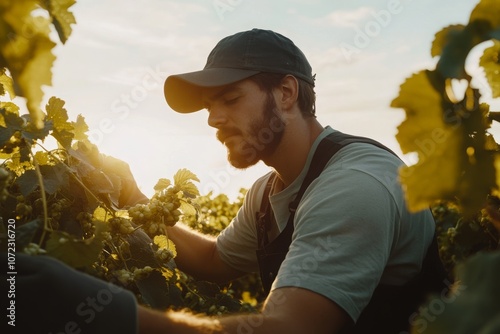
x,y
235,58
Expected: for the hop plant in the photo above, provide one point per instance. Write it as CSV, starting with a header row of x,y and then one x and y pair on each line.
x,y
126,277
121,225
167,204
4,182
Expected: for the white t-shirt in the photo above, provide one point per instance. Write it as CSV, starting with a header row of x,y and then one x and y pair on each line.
x,y
352,230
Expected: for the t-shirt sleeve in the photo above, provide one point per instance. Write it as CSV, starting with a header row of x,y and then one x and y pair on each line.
x,y
237,243
342,239
51,297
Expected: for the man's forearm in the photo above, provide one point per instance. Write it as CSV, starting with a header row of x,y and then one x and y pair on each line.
x,y
154,322
286,310
194,250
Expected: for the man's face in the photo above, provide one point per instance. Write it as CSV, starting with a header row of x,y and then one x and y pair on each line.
x,y
247,121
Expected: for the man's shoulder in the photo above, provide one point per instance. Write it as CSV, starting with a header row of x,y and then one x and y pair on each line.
x,y
254,195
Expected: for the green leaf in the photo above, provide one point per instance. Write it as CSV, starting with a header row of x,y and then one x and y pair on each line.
x,y
182,180
164,243
443,37
61,17
455,43
472,306
35,74
98,182
43,158
490,61
7,85
162,184
207,289
101,214
10,121
54,178
425,132
27,52
26,232
33,133
487,11
454,153
62,129
17,164
455,51
494,115
187,208
183,175
75,252
80,128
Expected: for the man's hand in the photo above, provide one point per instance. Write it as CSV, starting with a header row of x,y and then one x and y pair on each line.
x,y
287,310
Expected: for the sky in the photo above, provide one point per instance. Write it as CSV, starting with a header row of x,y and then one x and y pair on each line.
x,y
113,66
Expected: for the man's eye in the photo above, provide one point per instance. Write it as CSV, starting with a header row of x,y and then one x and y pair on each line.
x,y
231,100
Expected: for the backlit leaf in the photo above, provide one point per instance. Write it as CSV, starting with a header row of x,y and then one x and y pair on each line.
x,y
7,85
183,175
61,17
182,180
162,184
455,161
490,61
443,37
80,128
17,164
164,243
35,74
437,143
187,208
101,214
484,24
454,53
62,129
43,158
488,11
27,52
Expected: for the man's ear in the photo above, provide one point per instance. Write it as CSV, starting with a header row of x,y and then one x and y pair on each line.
x,y
288,92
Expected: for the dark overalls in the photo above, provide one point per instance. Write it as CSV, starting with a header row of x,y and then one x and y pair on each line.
x,y
390,307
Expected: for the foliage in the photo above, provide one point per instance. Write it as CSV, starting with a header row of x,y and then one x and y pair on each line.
x,y
213,214
471,306
26,46
460,237
73,202
457,156
458,171
83,207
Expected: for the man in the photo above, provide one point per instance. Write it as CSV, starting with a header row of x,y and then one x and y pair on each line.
x,y
350,232
348,252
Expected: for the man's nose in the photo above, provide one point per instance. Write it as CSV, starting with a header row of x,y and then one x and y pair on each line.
x,y
216,117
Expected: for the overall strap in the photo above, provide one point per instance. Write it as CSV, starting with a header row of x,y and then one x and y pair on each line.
x,y
270,255
330,145
263,216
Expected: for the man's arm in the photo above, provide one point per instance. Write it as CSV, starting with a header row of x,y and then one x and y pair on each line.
x,y
197,255
287,310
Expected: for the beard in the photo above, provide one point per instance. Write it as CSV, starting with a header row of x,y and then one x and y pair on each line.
x,y
261,141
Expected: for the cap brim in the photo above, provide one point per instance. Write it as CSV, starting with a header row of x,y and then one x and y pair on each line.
x,y
183,92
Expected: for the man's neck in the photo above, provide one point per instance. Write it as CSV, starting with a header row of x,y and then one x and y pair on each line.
x,y
291,155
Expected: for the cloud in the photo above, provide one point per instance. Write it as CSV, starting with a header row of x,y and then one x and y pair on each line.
x,y
345,18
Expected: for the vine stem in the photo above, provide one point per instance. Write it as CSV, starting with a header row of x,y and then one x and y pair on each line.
x,y
101,203
44,200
